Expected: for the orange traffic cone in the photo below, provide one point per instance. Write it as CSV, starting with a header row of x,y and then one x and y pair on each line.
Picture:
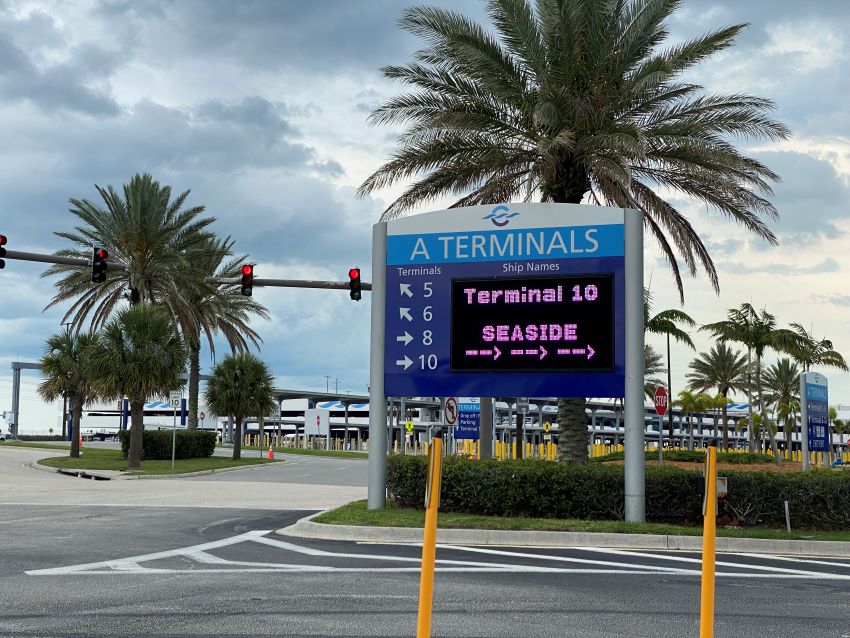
x,y
271,453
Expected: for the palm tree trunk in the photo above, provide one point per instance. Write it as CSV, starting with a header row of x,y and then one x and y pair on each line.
x,y
519,434
691,431
670,395
773,447
76,417
137,428
725,429
750,439
237,437
572,431
194,381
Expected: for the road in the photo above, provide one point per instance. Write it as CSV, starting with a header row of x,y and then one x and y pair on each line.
x,y
145,569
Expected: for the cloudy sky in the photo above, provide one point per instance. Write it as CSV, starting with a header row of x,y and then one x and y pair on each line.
x,y
260,107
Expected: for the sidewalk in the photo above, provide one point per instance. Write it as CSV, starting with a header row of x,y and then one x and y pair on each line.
x,y
306,528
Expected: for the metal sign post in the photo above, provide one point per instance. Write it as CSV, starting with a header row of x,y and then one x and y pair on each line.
x,y
377,494
175,397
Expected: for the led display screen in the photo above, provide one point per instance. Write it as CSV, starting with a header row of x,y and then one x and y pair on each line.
x,y
561,323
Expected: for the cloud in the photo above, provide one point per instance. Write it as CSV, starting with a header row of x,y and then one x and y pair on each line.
x,y
829,265
812,45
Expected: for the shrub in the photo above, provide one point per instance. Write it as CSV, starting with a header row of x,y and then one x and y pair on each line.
x,y
694,456
156,444
817,499
33,437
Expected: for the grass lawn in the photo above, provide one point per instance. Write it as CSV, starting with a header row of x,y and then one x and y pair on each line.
x,y
297,450
356,514
100,459
48,446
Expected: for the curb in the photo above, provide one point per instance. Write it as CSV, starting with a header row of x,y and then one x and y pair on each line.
x,y
306,528
131,477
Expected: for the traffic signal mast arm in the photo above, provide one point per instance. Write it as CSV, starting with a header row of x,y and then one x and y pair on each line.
x,y
288,283
55,259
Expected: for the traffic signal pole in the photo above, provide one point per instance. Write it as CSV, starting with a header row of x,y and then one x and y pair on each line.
x,y
56,259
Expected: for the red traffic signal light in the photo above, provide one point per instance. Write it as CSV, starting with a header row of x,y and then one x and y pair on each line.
x,y
2,251
98,264
354,284
247,280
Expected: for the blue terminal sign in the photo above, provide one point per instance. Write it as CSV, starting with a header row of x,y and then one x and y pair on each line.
x,y
519,299
817,412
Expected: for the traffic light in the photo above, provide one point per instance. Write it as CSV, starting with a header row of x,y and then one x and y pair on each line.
x,y
354,283
98,264
2,251
248,280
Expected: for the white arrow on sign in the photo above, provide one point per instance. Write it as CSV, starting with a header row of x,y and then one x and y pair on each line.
x,y
406,338
590,352
404,362
404,313
404,289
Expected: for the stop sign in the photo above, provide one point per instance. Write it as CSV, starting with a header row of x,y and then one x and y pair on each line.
x,y
660,400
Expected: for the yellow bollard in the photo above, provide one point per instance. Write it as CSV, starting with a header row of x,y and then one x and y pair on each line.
x,y
429,540
706,610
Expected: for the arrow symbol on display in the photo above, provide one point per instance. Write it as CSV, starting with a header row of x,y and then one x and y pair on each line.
x,y
404,362
404,313
496,352
590,352
406,338
404,289
543,353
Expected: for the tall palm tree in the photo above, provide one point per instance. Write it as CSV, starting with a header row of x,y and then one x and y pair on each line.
x,y
140,355
690,403
572,100
241,385
216,308
152,235
63,366
782,383
652,365
809,351
758,332
720,368
667,322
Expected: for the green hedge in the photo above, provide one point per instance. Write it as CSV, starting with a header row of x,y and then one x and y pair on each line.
x,y
33,437
156,444
540,489
695,456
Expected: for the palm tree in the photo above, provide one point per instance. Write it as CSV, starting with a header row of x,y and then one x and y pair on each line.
x,y
63,366
757,331
217,308
690,404
652,364
241,385
720,368
667,323
568,100
152,236
808,351
140,355
782,382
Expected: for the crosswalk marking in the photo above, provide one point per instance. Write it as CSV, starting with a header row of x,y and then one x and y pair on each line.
x,y
506,560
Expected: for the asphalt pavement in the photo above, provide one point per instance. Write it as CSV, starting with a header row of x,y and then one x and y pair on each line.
x,y
133,565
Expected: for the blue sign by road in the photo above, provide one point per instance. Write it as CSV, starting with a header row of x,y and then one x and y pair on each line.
x,y
817,416
519,299
468,419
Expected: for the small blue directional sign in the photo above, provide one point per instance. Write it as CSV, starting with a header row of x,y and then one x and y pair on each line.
x,y
468,418
507,300
817,411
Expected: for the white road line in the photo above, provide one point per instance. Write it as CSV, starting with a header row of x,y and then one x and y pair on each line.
x,y
795,560
122,562
309,551
565,559
684,559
